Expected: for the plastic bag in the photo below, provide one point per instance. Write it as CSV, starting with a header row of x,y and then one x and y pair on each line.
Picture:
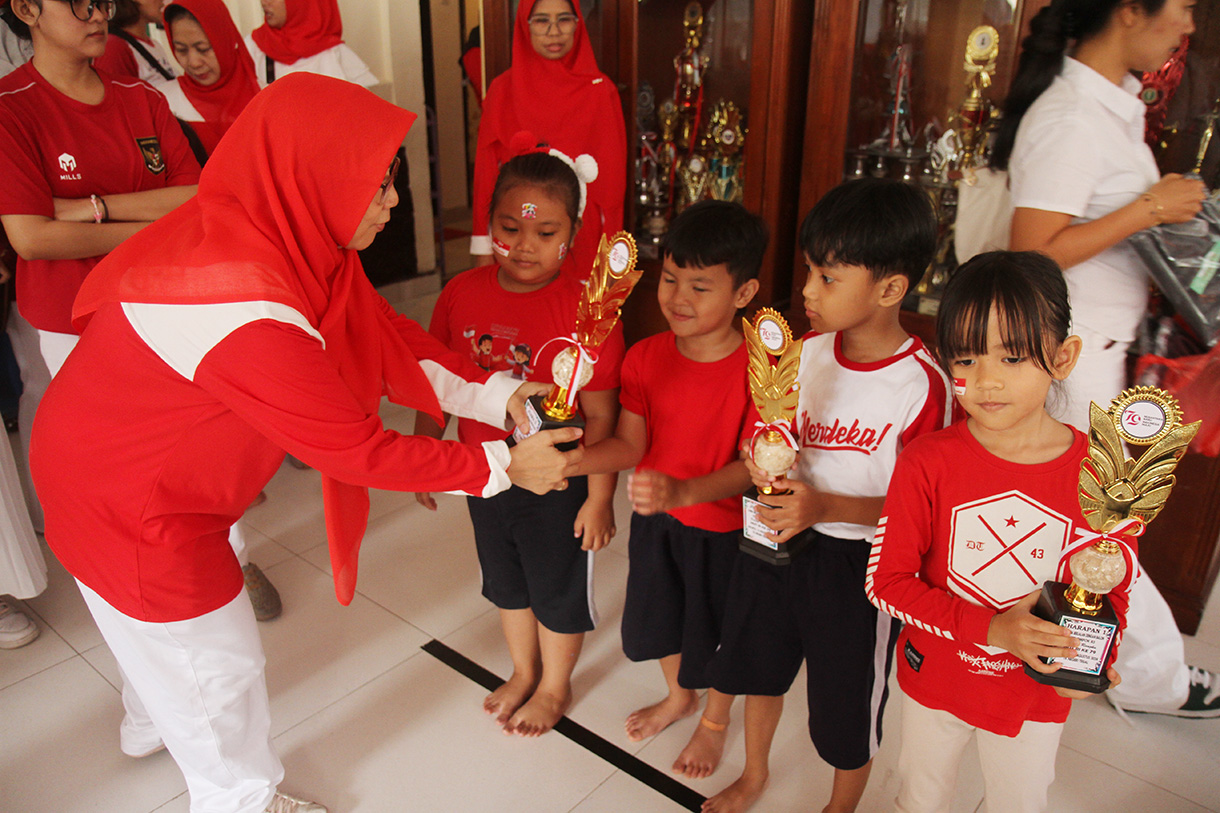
x,y
1195,382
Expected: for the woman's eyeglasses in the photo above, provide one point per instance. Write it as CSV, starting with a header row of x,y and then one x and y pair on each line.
x,y
83,9
390,176
540,24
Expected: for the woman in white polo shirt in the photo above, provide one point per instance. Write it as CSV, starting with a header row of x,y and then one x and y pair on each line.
x,y
1083,181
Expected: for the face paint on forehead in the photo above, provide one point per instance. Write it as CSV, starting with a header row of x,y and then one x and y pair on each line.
x,y
500,247
529,211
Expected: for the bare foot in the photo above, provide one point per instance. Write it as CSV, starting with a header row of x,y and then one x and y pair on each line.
x,y
539,714
701,756
643,723
737,797
504,701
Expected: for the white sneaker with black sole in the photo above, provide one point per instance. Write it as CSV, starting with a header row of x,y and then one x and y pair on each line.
x,y
1202,699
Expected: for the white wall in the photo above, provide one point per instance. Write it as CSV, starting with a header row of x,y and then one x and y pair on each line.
x,y
447,37
386,35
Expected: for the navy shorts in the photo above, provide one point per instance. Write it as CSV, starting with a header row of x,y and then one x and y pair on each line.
x,y
812,610
530,559
677,585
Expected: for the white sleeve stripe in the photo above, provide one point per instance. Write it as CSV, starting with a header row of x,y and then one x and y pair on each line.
x,y
498,460
884,606
485,403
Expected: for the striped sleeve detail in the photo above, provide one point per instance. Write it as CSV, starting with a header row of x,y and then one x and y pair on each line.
x,y
874,557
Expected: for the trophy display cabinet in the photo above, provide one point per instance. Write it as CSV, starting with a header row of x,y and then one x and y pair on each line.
x,y
752,53
847,118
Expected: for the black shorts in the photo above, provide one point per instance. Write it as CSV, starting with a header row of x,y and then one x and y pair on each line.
x,y
814,610
530,559
677,585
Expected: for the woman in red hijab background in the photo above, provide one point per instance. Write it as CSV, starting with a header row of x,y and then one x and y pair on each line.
x,y
304,35
219,79
555,90
238,327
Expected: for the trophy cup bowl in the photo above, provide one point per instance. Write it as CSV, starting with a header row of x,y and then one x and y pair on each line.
x,y
1118,496
553,411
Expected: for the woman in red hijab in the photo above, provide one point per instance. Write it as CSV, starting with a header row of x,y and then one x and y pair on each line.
x,y
304,35
555,90
219,79
238,327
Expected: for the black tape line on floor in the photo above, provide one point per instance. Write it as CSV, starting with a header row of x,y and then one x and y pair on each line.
x,y
625,762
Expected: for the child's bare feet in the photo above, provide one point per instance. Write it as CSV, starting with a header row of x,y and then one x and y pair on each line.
x,y
737,797
539,714
504,701
643,723
701,756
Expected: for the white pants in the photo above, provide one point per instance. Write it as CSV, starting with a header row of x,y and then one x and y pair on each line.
x,y
198,686
1151,659
34,380
1016,770
55,348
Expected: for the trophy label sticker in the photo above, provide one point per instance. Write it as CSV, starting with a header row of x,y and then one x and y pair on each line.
x,y
1143,419
752,525
535,420
620,257
1095,638
771,334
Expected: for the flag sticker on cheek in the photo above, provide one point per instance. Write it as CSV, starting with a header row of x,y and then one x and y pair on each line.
x,y
563,250
502,248
529,211
959,386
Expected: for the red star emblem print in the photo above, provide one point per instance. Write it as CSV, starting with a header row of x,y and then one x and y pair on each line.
x,y
1004,546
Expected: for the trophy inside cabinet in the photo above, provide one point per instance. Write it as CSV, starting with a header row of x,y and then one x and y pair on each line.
x,y
927,81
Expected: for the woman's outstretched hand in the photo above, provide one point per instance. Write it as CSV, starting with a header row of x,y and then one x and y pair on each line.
x,y
538,466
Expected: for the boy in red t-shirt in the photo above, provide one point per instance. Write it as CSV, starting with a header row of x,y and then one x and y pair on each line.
x,y
685,401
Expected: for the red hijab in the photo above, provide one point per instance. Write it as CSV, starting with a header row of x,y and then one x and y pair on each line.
x,y
543,93
221,102
285,189
312,27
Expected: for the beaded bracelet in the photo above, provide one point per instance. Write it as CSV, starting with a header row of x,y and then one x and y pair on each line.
x,y
100,212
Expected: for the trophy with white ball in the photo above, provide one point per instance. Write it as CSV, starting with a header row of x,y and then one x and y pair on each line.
x,y
1118,497
775,390
613,277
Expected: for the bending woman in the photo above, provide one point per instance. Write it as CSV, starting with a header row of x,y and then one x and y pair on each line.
x,y
1083,181
239,327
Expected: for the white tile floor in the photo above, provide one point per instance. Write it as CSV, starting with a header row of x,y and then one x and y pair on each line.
x,y
367,722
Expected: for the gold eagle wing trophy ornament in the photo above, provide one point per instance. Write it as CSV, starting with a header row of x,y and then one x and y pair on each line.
x,y
775,391
1118,497
613,277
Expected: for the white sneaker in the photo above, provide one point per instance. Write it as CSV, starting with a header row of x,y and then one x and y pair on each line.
x,y
283,803
16,628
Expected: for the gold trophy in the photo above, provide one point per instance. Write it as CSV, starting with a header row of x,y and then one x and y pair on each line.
x,y
1205,140
1118,497
775,391
614,275
982,48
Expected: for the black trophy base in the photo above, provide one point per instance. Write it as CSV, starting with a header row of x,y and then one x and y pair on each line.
x,y
1096,633
756,538
540,421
